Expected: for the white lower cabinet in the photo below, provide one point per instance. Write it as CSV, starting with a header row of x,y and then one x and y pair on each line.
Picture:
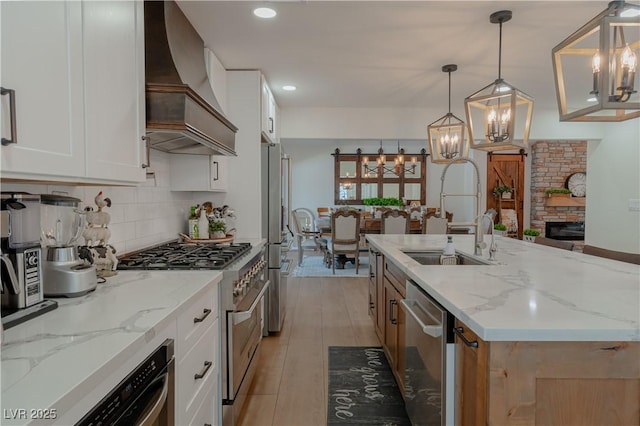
x,y
198,173
198,362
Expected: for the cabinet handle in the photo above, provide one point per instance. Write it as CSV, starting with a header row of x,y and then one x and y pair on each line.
x,y
12,112
215,178
391,319
147,151
270,125
200,375
460,333
205,313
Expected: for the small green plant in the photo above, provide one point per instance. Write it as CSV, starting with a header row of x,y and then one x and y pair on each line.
x,y
557,191
500,189
500,227
217,225
531,232
377,201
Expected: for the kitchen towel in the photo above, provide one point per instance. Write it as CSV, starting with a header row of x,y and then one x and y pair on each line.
x,y
362,389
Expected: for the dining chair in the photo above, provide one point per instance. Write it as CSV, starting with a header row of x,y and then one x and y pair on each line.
x,y
345,236
433,224
395,222
303,229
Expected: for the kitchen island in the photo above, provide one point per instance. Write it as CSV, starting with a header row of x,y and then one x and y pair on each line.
x,y
557,332
57,366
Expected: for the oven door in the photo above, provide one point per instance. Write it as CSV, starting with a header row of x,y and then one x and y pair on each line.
x,y
244,333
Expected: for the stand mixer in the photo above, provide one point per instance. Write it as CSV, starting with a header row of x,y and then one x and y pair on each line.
x,y
64,273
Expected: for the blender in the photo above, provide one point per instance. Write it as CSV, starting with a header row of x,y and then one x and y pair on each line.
x,y
20,259
64,273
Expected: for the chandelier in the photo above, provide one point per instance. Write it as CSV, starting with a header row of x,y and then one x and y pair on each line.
x,y
595,67
447,135
499,115
381,164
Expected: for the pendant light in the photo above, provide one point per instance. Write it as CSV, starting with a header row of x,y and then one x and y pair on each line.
x,y
595,67
448,138
499,115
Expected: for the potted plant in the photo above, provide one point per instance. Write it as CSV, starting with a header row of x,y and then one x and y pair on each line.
x,y
503,191
382,202
217,228
557,192
499,229
530,234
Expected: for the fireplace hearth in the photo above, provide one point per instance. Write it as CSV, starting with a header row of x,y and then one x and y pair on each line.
x,y
569,231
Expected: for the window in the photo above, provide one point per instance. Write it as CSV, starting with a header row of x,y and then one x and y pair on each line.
x,y
360,176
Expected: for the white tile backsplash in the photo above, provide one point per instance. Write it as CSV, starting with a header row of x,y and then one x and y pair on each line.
x,y
142,215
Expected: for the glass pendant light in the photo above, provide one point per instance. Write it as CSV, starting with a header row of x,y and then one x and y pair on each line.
x,y
448,138
595,67
499,115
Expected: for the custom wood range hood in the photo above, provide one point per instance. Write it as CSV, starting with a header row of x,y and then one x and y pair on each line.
x,y
183,115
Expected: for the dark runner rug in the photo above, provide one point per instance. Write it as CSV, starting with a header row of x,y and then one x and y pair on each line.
x,y
362,389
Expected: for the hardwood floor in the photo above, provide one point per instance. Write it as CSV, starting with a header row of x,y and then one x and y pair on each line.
x,y
290,387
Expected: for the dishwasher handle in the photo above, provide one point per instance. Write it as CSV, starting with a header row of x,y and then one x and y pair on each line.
x,y
431,330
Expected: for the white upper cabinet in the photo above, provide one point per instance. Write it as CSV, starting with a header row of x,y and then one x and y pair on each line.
x,y
76,72
198,173
269,110
114,89
42,70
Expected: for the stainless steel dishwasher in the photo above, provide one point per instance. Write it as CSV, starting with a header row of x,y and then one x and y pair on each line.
x,y
429,359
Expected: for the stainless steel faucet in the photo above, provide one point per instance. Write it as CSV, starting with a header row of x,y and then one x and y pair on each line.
x,y
479,243
479,240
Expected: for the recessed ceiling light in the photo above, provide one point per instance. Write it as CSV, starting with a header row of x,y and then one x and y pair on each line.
x,y
264,12
289,88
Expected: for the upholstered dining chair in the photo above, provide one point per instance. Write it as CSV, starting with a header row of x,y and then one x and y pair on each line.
x,y
434,225
395,222
345,236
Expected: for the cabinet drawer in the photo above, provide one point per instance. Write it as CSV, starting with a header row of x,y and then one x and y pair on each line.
x,y
395,277
195,320
207,413
197,371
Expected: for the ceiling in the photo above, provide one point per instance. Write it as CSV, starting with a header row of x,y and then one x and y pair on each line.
x,y
372,54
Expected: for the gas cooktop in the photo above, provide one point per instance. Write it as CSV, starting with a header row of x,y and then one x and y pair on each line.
x,y
176,255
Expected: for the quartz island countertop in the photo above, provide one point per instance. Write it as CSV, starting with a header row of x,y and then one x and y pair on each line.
x,y
531,293
82,349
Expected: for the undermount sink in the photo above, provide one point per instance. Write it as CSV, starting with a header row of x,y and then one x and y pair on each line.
x,y
433,258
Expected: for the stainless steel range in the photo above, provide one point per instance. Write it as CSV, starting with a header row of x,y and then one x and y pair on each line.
x,y
242,291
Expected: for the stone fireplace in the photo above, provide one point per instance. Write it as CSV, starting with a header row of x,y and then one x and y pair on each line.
x,y
551,163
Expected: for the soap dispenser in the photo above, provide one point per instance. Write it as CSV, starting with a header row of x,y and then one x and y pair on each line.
x,y
449,249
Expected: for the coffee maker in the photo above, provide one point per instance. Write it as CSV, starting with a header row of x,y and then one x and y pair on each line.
x,y
21,259
65,274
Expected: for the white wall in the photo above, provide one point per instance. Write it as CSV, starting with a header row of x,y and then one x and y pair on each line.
x,y
313,173
141,216
310,135
613,177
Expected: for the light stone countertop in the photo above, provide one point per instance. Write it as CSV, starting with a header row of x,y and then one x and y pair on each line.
x,y
531,293
88,344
